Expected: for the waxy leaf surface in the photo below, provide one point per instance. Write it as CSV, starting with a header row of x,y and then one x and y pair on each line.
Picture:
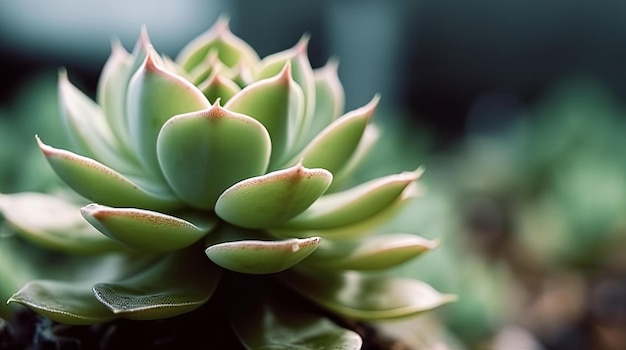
x,y
335,145
143,229
203,153
273,198
277,103
354,205
102,184
154,96
261,257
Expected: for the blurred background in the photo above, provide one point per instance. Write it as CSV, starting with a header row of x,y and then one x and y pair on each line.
x,y
516,109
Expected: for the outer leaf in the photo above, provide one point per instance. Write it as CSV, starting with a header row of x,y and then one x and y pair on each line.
x,y
329,98
354,205
219,38
280,321
335,145
271,199
357,229
64,302
143,229
298,60
111,94
154,96
261,257
86,125
203,153
371,253
368,141
73,302
53,223
366,297
103,184
177,284
277,103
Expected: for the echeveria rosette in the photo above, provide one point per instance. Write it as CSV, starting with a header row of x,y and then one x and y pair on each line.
x,y
224,155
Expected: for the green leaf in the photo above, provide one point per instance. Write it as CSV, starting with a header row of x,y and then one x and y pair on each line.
x,y
111,93
154,96
102,184
70,299
365,297
145,230
87,126
357,229
303,75
370,253
335,145
261,257
279,321
203,153
63,302
329,98
273,198
177,284
354,205
277,103
53,223
231,49
367,143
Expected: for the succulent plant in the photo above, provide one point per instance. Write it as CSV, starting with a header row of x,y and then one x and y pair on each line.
x,y
219,177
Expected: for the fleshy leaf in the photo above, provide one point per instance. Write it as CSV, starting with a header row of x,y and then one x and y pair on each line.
x,y
53,223
370,253
261,257
329,98
143,229
176,284
104,185
111,94
64,302
69,299
335,145
86,125
303,75
203,153
368,140
231,49
366,297
273,198
355,230
354,205
277,103
279,321
154,96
